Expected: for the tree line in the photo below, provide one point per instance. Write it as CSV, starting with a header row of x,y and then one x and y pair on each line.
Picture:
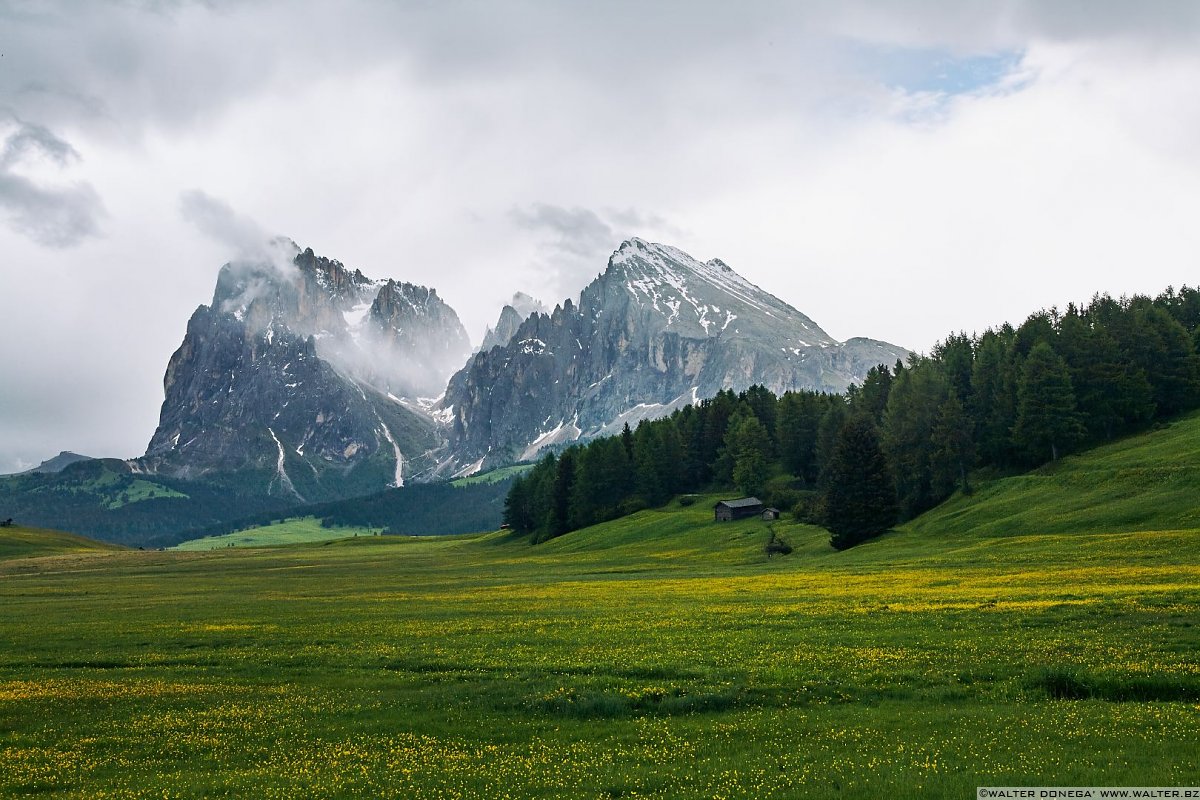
x,y
903,440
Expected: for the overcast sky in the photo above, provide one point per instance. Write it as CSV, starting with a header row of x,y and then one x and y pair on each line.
x,y
898,170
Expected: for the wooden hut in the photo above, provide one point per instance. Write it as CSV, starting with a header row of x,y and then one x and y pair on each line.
x,y
726,510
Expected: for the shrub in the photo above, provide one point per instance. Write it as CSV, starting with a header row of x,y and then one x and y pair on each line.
x,y
809,508
631,506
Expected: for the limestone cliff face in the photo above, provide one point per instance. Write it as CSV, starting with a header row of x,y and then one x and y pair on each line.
x,y
296,377
657,330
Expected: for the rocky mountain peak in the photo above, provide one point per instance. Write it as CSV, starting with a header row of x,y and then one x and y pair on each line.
x,y
656,330
525,304
60,462
511,316
297,377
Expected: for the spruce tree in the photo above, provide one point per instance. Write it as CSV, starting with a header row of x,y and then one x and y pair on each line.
x,y
1047,421
657,461
872,397
993,398
860,501
518,506
907,435
828,429
953,448
1173,368
765,406
564,481
1110,392
748,447
798,418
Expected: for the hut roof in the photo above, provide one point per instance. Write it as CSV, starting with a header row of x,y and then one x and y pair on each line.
x,y
742,502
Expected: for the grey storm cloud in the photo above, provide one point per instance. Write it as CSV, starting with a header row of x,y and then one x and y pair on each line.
x,y
581,231
54,216
571,231
30,138
217,220
575,240
126,65
246,243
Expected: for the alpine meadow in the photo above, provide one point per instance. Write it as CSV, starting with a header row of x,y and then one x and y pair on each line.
x,y
530,399
1012,637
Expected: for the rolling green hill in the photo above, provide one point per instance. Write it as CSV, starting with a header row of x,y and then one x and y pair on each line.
x,y
1146,482
493,475
106,499
21,542
297,530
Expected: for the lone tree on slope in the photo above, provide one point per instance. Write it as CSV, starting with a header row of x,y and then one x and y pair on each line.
x,y
861,499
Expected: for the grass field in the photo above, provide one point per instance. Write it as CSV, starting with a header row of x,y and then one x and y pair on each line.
x,y
21,542
492,476
140,490
662,655
299,530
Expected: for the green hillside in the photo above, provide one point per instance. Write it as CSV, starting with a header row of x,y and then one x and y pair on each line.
x,y
21,542
658,655
106,499
1145,482
494,475
298,530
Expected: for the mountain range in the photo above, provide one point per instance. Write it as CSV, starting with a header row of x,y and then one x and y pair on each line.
x,y
301,378
655,331
305,381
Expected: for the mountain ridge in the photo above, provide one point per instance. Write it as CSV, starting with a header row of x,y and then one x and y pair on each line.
x,y
658,329
296,376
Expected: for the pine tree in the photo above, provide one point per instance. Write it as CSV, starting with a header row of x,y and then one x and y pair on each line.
x,y
907,434
747,446
518,513
690,428
627,441
1047,421
1170,360
765,406
956,354
953,448
657,459
1110,392
828,429
993,399
606,478
872,397
538,487
716,413
798,418
861,499
564,480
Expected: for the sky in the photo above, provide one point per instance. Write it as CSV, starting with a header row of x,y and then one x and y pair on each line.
x,y
900,169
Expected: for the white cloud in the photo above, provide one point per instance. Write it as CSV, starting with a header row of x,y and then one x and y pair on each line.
x,y
399,138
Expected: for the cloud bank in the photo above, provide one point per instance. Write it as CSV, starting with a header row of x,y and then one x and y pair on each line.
x,y
893,169
53,216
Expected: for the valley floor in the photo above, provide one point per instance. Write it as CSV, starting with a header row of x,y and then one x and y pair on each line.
x,y
660,655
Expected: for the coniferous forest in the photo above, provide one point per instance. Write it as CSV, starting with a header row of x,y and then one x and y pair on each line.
x,y
904,440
